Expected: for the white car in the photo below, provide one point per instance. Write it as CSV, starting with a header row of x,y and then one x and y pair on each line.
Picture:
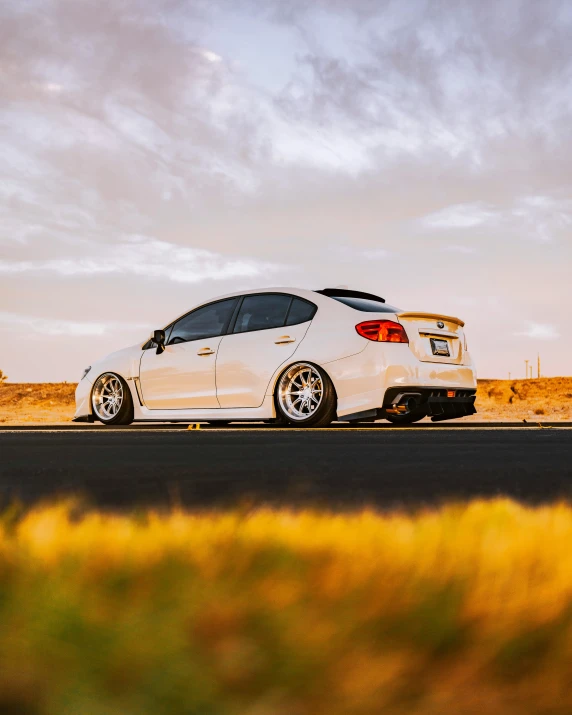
x,y
289,356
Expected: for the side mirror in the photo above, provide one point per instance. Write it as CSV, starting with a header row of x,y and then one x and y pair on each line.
x,y
159,339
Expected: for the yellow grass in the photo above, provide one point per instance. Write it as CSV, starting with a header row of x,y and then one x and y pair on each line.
x,y
547,399
463,610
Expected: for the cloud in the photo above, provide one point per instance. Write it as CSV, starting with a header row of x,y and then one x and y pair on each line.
x,y
459,216
375,254
541,217
460,248
346,252
148,258
42,326
146,140
142,109
540,331
211,56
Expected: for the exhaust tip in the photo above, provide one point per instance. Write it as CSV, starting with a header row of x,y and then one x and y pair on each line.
x,y
404,404
410,403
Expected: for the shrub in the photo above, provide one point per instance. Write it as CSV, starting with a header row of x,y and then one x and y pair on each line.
x,y
467,609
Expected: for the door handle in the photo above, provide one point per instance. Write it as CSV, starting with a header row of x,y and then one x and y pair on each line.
x,y
205,351
284,340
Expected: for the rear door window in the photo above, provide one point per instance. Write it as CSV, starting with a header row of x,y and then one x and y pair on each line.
x,y
261,312
300,312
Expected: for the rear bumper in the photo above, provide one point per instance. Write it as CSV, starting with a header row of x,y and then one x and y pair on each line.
x,y
364,381
446,408
438,403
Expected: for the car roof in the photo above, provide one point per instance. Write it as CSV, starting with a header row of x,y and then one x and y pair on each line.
x,y
302,292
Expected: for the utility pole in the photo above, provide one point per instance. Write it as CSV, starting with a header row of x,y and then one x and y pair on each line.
x,y
539,366
526,363
509,376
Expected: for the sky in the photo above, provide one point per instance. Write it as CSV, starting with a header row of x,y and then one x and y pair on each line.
x,y
157,153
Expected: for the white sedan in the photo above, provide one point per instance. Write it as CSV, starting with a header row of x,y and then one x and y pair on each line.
x,y
287,356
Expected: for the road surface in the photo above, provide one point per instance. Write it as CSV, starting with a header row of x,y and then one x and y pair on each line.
x,y
127,468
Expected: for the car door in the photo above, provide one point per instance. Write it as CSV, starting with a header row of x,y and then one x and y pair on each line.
x,y
267,330
183,375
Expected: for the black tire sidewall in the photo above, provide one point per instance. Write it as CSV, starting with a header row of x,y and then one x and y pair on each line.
x,y
326,411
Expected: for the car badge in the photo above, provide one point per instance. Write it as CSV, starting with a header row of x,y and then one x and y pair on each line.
x,y
440,324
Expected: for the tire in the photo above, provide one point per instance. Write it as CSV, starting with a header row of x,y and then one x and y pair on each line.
x,y
305,396
406,419
111,400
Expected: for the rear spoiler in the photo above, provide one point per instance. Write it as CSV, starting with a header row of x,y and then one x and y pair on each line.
x,y
432,316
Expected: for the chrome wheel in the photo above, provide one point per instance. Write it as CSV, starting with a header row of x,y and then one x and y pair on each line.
x,y
300,391
107,397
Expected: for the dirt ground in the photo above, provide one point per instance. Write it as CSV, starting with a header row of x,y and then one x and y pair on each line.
x,y
37,403
546,400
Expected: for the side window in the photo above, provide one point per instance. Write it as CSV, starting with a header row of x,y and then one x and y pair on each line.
x,y
300,312
260,312
207,322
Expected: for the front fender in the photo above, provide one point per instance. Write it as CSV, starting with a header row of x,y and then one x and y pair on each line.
x,y
124,363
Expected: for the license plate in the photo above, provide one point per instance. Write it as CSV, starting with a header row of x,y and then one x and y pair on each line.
x,y
440,347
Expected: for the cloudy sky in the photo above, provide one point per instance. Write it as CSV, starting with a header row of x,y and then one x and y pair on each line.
x,y
156,153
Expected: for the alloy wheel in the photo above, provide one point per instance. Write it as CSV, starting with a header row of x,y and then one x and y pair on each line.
x,y
300,391
107,396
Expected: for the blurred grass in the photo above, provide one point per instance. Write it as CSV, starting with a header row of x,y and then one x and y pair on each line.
x,y
463,610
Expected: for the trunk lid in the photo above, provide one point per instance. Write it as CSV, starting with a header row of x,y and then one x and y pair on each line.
x,y
432,336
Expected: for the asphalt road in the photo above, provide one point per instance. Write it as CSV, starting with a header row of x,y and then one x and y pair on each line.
x,y
335,468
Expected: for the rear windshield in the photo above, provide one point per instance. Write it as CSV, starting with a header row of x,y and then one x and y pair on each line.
x,y
366,305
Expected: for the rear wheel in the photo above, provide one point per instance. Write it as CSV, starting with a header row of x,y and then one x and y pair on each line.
x,y
305,397
111,400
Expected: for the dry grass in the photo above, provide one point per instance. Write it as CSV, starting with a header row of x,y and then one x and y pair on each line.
x,y
464,610
548,399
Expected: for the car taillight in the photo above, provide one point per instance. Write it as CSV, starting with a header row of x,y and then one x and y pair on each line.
x,y
382,331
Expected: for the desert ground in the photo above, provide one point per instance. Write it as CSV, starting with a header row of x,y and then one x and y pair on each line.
x,y
545,399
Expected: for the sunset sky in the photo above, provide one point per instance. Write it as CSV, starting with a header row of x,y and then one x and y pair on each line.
x,y
154,154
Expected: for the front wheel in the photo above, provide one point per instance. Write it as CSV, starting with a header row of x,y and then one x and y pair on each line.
x,y
111,400
305,396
